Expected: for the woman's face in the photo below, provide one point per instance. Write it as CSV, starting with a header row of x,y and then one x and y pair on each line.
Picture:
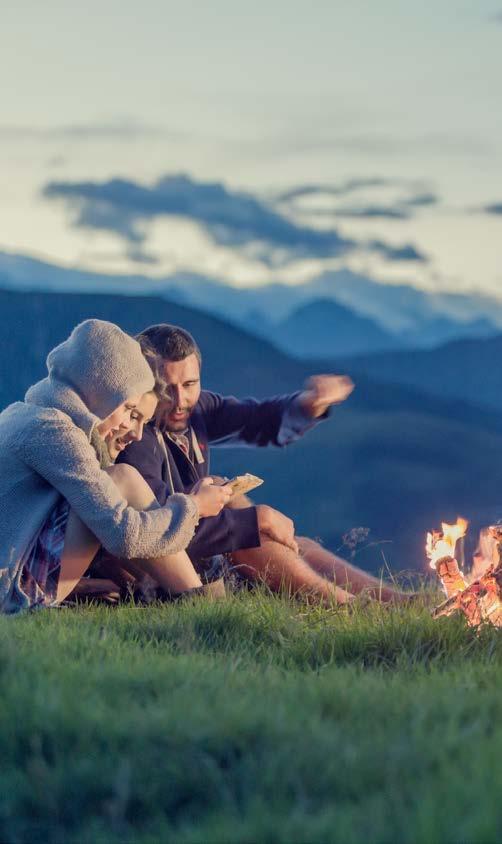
x,y
140,416
120,416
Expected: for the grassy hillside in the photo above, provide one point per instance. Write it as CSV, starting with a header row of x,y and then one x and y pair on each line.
x,y
254,720
392,459
32,323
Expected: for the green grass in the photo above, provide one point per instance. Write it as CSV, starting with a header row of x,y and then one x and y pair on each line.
x,y
252,720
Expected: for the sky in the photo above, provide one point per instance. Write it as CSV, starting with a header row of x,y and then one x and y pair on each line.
x,y
255,142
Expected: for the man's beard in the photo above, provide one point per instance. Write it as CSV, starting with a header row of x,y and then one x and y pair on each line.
x,y
169,422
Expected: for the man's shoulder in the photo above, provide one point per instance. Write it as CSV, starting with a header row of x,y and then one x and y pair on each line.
x,y
209,405
209,401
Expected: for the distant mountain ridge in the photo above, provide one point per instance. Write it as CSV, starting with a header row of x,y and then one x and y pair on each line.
x,y
410,316
324,328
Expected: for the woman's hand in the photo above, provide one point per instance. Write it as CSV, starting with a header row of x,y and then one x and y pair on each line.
x,y
210,497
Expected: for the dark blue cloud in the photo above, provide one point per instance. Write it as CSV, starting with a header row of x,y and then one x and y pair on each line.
x,y
232,218
421,199
139,256
100,214
406,252
368,212
402,208
495,208
342,189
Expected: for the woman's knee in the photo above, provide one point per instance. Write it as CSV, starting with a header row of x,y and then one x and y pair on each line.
x,y
132,485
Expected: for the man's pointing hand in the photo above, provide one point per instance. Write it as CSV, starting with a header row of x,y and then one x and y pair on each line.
x,y
321,391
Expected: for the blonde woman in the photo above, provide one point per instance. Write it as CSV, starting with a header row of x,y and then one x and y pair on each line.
x,y
59,502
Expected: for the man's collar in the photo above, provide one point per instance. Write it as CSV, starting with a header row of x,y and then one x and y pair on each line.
x,y
192,438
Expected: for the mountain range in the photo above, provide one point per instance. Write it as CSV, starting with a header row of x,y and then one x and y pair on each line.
x,y
410,317
324,328
392,458
364,315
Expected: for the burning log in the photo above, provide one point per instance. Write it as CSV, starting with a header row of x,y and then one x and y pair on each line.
x,y
450,575
482,600
441,552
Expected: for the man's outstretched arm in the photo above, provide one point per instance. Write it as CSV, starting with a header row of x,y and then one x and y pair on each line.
x,y
277,421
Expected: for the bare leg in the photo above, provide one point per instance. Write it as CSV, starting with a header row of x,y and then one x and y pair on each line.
x,y
96,587
280,568
356,580
175,572
107,567
215,589
276,564
80,548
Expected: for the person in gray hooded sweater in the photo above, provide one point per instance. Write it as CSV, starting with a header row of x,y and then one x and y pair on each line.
x,y
60,501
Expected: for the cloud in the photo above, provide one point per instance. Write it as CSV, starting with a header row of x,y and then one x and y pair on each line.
x,y
105,216
139,256
342,189
403,207
494,208
232,218
421,199
406,252
374,212
496,17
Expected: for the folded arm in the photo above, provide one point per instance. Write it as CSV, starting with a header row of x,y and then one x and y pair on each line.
x,y
62,455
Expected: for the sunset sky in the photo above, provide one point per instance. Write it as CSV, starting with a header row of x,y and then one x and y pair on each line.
x,y
355,134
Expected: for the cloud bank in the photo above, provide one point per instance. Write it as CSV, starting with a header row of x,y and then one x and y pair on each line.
x,y
235,219
232,218
494,208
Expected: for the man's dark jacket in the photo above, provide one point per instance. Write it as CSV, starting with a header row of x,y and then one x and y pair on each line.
x,y
221,421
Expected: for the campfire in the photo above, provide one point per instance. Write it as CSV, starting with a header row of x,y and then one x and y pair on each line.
x,y
481,600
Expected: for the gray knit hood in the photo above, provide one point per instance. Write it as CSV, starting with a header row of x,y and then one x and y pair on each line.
x,y
91,373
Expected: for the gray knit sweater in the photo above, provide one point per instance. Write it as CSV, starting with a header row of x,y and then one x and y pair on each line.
x,y
46,452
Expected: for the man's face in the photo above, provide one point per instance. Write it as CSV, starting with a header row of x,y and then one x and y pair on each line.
x,y
183,380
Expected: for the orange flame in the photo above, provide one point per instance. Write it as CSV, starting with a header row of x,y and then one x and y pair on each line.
x,y
442,544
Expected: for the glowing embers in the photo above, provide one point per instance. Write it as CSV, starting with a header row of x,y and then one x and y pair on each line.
x,y
481,601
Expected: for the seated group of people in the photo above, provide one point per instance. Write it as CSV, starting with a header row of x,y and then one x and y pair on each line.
x,y
105,484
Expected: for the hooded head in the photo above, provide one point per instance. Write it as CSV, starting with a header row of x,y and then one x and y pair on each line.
x,y
102,364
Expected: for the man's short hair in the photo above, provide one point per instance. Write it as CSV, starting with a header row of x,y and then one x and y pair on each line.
x,y
170,342
155,362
